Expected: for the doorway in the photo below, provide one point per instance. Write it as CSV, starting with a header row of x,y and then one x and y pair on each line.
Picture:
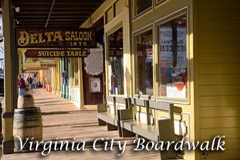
x,y
94,70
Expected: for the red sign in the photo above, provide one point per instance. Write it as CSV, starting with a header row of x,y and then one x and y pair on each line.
x,y
56,53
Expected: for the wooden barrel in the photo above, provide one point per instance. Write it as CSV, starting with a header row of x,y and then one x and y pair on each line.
x,y
27,123
25,101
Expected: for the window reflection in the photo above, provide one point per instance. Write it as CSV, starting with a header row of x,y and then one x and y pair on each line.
x,y
115,50
144,63
173,59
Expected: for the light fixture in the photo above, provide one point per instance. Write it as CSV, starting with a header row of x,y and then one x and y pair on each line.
x,y
17,9
17,21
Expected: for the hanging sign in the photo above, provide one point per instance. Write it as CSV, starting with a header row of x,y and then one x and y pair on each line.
x,y
57,53
36,62
55,38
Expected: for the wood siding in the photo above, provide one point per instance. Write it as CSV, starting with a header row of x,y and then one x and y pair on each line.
x,y
161,13
219,74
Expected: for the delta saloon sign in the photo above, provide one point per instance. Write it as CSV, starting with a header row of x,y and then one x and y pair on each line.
x,y
55,38
57,42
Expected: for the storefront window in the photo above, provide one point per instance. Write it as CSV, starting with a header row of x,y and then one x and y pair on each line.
x,y
173,59
141,5
76,71
115,50
143,63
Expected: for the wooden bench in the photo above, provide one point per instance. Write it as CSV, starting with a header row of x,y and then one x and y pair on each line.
x,y
146,124
107,112
130,118
169,128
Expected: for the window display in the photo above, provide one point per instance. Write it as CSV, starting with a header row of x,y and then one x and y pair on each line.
x,y
143,63
115,51
173,59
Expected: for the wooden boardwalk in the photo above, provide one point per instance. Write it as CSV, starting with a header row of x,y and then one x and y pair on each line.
x,y
62,120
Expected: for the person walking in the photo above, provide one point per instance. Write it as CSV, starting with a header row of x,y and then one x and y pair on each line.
x,y
21,85
30,82
34,84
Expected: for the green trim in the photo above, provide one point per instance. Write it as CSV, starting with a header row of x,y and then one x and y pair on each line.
x,y
27,114
22,127
27,120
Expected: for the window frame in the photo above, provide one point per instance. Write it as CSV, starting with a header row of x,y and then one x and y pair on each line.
x,y
134,34
158,23
134,14
158,2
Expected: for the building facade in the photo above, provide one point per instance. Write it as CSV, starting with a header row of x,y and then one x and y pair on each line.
x,y
185,52
181,51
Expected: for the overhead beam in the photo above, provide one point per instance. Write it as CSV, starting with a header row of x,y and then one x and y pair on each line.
x,y
73,12
62,12
51,25
49,13
56,13
59,1
73,16
80,1
63,7
43,7
53,19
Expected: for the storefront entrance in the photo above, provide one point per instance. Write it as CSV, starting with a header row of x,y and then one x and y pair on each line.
x,y
93,69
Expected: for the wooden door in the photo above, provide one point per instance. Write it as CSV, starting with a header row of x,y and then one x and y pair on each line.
x,y
94,86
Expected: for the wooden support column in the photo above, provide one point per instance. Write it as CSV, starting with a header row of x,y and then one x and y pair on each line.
x,y
127,53
11,71
61,78
80,80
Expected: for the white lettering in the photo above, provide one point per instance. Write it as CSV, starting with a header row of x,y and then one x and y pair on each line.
x,y
122,147
140,142
94,144
18,138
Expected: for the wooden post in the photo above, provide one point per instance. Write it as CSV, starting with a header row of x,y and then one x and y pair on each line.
x,y
10,88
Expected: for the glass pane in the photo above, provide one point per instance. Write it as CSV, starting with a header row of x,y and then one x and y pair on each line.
x,y
173,59
76,71
115,47
141,5
144,63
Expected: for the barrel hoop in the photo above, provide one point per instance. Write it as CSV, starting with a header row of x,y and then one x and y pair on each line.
x,y
25,110
28,109
27,117
21,127
25,120
27,114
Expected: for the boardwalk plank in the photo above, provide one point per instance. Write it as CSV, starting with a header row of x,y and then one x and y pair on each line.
x,y
63,120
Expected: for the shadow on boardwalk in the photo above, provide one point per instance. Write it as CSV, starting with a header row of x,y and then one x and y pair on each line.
x,y
62,120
